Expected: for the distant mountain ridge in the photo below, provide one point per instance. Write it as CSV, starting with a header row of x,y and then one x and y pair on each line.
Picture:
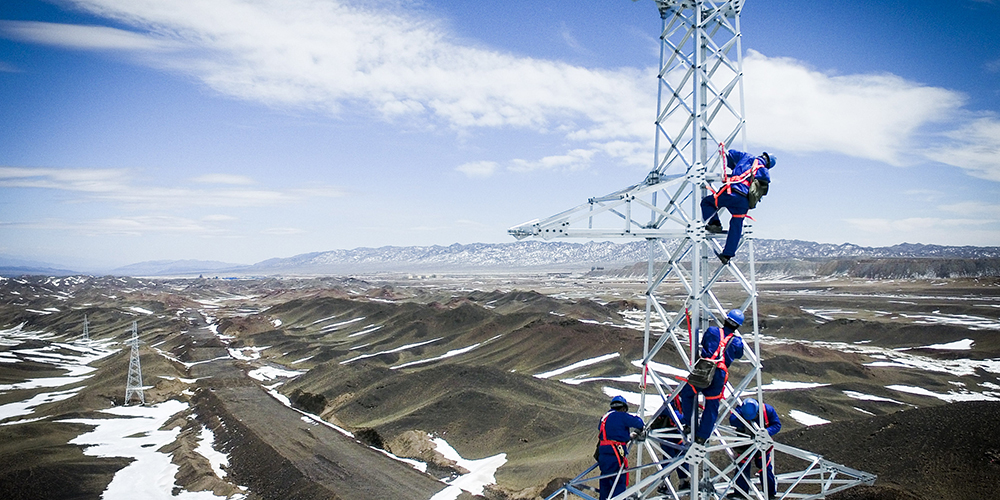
x,y
530,255
527,255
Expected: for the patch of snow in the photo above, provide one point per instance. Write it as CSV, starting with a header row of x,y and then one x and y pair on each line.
x,y
828,314
247,353
206,448
76,365
782,385
577,365
400,348
181,379
336,326
949,397
276,322
868,397
958,345
137,435
866,412
297,361
966,320
368,329
27,406
807,419
634,378
267,373
328,318
23,421
451,353
633,398
481,472
140,310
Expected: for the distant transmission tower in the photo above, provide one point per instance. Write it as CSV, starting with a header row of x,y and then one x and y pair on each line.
x,y
700,113
86,329
134,385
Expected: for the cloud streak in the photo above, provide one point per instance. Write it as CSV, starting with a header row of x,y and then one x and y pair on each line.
x,y
335,56
118,186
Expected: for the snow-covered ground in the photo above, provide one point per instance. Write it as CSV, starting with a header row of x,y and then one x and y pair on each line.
x,y
135,432
481,472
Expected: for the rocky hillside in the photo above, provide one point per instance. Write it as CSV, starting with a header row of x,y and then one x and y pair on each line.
x,y
494,368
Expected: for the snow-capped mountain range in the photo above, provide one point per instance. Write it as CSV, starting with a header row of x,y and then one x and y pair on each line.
x,y
522,256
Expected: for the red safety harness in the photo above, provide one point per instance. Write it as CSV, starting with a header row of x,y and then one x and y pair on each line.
x,y
719,357
618,446
767,423
746,178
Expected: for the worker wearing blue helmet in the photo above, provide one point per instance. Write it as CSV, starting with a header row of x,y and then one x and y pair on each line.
x,y
739,193
750,413
612,448
722,346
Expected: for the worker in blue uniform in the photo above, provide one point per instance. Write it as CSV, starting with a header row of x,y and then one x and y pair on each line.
x,y
722,346
749,410
738,194
612,449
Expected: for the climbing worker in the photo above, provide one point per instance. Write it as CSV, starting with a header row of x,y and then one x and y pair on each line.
x,y
739,193
749,410
721,347
612,449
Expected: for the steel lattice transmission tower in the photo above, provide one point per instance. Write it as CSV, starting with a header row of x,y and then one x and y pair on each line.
x,y
700,113
86,329
134,385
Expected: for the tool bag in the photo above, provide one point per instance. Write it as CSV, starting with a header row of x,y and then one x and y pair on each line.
x,y
702,373
704,369
758,188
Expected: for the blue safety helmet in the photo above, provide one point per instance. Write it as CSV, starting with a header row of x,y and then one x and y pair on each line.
x,y
749,408
619,402
769,160
736,316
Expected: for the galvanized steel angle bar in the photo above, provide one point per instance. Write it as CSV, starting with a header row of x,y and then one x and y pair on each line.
x,y
669,334
663,213
672,261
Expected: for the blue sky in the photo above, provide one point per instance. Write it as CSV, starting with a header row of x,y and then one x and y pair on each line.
x,y
238,131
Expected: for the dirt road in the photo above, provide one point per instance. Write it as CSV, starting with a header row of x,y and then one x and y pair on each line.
x,y
278,452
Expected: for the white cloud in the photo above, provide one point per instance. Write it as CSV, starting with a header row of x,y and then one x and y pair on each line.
x,y
282,231
118,186
323,54
7,68
137,225
87,180
84,37
219,218
572,160
974,147
223,179
876,116
942,231
478,168
329,54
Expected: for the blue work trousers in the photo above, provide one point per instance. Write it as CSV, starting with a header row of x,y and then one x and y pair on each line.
x,y
611,463
712,395
738,206
744,475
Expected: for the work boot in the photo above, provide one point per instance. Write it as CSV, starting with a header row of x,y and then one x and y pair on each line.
x,y
723,258
699,440
714,228
684,485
